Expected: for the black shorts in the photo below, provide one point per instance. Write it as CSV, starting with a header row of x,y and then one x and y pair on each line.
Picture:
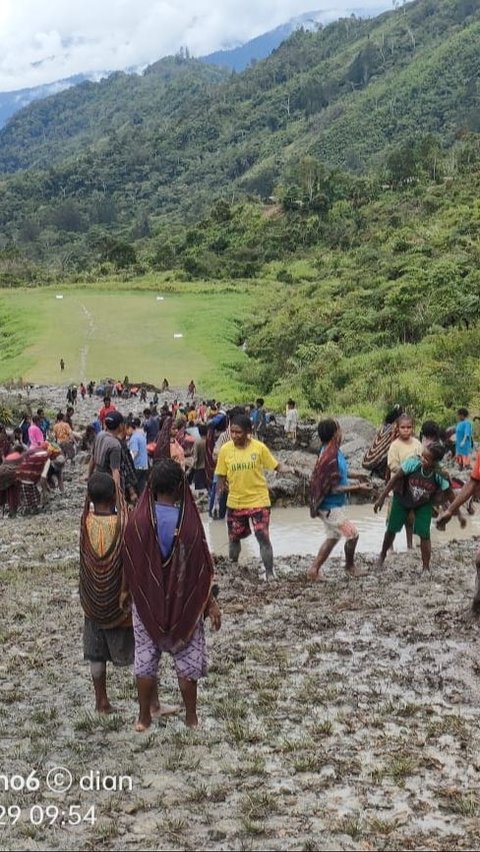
x,y
115,645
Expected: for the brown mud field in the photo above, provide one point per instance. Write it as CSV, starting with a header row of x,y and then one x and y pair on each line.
x,y
336,716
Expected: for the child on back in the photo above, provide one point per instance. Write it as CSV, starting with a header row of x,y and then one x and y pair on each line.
x,y
416,486
108,632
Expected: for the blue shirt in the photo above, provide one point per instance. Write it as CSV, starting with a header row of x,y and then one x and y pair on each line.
x,y
463,438
335,501
167,520
137,443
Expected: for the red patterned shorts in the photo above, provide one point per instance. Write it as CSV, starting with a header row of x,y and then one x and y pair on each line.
x,y
238,523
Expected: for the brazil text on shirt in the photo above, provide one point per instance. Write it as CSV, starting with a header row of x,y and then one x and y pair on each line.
x,y
243,465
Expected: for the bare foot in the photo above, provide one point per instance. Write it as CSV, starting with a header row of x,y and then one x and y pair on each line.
x,y
106,708
165,709
317,574
353,571
142,726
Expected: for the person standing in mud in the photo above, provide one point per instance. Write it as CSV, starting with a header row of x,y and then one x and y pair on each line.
x,y
470,489
107,631
328,496
404,447
241,464
169,577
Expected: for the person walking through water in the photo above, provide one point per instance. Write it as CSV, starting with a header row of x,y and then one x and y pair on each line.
x,y
240,465
62,365
329,488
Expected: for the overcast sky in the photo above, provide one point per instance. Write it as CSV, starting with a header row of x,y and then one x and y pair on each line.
x,y
46,40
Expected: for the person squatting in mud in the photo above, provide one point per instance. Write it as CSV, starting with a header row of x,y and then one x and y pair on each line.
x,y
328,496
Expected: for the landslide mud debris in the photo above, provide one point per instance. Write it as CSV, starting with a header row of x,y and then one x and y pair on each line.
x,y
335,716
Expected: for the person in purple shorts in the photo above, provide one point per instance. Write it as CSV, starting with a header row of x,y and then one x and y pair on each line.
x,y
169,575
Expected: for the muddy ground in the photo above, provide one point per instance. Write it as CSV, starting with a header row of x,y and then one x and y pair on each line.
x,y
341,716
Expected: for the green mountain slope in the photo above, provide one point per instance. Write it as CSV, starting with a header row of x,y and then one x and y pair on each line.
x,y
344,95
340,176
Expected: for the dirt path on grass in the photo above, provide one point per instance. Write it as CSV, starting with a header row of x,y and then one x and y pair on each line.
x,y
342,716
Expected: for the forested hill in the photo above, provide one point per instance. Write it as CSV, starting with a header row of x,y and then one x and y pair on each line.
x,y
170,141
340,176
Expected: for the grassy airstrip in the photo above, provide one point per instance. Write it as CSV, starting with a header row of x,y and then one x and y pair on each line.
x,y
117,330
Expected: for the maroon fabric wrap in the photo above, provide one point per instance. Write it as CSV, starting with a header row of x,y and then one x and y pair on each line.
x,y
181,438
170,595
209,460
31,465
162,446
5,445
325,476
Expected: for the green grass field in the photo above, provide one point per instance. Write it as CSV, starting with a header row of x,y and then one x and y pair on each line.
x,y
102,331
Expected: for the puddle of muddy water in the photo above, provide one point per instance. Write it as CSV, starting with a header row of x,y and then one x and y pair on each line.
x,y
293,532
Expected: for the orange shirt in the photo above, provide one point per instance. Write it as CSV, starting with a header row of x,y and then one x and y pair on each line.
x,y
62,431
101,531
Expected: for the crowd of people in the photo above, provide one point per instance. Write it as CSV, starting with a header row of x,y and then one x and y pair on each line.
x,y
146,574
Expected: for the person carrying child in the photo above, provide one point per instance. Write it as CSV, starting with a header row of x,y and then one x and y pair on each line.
x,y
403,447
169,574
417,484
108,632
329,488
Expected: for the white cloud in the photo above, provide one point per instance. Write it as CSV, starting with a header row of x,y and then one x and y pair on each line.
x,y
41,42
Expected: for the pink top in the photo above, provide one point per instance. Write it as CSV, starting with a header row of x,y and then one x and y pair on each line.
x,y
35,435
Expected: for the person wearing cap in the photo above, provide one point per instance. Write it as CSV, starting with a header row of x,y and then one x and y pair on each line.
x,y
107,451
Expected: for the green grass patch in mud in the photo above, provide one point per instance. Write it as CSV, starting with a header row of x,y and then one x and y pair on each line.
x,y
114,330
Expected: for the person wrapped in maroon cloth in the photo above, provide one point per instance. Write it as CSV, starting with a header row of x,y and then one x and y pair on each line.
x,y
168,575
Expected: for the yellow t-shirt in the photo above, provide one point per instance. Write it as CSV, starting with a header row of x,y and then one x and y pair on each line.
x,y
400,451
243,468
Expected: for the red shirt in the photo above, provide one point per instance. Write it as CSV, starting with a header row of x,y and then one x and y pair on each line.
x,y
103,413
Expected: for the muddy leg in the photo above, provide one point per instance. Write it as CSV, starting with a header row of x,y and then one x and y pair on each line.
x,y
146,687
388,540
426,551
266,555
350,566
188,688
234,548
315,571
99,677
409,533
